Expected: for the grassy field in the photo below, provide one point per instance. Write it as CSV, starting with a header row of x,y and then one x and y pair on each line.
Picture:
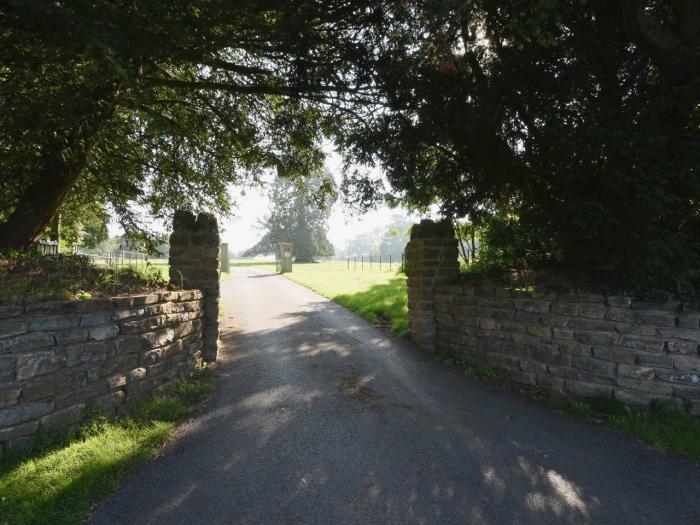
x,y
59,482
377,295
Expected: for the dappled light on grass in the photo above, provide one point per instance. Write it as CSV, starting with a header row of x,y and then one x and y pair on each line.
x,y
60,486
60,483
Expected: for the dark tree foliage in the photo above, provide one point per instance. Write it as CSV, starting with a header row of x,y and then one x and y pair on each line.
x,y
154,105
297,216
577,119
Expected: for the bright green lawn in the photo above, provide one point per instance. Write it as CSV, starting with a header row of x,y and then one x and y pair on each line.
x,y
377,295
59,483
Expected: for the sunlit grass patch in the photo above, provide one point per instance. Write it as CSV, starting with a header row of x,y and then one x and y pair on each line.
x,y
59,483
60,486
377,295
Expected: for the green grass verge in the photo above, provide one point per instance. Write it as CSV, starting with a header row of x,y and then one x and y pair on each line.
x,y
671,430
59,482
378,296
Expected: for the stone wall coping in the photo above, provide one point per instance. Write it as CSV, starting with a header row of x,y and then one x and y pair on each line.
x,y
97,304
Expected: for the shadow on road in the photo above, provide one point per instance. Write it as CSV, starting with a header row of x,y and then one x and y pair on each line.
x,y
326,422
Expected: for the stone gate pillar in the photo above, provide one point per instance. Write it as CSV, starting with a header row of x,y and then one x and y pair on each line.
x,y
431,259
194,263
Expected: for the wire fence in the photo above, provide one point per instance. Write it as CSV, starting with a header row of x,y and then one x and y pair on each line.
x,y
51,275
360,263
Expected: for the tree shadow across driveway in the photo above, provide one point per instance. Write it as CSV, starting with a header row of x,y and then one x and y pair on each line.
x,y
324,419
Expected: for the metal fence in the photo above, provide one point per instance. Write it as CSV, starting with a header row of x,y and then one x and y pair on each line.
x,y
360,263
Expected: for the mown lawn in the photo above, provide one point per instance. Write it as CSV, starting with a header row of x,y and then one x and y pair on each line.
x,y
377,295
59,482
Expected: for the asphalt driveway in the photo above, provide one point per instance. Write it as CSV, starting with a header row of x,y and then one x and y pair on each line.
x,y
321,418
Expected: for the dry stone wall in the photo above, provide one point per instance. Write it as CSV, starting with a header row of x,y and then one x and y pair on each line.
x,y
578,344
61,360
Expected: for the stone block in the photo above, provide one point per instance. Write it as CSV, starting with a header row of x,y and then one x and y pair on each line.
x,y
679,377
645,345
551,356
599,325
636,329
657,319
551,383
26,342
52,384
106,403
562,333
574,348
656,361
597,366
538,307
13,327
651,387
86,353
593,311
10,310
615,354
683,334
103,332
632,397
636,372
38,363
24,412
128,344
682,347
9,394
622,315
71,335
54,322
663,305
691,363
568,309
96,318
539,330
594,338
117,380
8,366
137,374
16,431
689,321
687,392
159,338
585,390
619,301
528,365
66,417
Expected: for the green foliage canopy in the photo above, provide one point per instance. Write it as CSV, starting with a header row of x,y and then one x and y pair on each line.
x,y
580,118
152,106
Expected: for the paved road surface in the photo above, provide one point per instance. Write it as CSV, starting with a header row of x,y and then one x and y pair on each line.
x,y
323,419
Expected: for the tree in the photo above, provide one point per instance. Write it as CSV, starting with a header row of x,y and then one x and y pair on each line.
x,y
575,122
155,106
297,216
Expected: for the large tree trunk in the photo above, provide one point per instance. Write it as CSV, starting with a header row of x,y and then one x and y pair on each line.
x,y
38,206
42,199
